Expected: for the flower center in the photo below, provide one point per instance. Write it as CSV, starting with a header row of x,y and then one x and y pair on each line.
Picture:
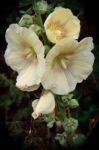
x,y
63,62
30,54
56,28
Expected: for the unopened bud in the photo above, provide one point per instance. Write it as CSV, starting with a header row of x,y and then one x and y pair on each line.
x,y
26,20
73,103
37,29
41,6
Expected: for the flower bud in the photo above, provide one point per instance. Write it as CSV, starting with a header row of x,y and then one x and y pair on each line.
x,y
35,28
41,6
44,105
26,20
70,125
73,103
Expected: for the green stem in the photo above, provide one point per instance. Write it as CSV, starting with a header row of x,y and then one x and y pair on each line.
x,y
40,22
62,113
33,4
68,112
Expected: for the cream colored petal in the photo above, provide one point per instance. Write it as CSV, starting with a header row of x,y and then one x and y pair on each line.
x,y
13,35
51,35
85,44
15,59
81,70
60,24
83,60
64,47
34,103
61,76
28,88
70,79
25,54
45,105
22,42
62,13
73,27
56,78
29,78
59,81
59,14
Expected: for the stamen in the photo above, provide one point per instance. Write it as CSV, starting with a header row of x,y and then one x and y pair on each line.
x,y
28,55
63,63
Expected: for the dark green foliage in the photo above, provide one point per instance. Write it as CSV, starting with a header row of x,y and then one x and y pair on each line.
x,y
77,140
74,5
9,93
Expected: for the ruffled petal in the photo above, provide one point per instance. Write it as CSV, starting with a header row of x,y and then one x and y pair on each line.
x,y
29,78
73,27
60,24
67,64
25,54
82,64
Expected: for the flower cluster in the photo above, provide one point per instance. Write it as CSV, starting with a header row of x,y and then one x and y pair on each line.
x,y
67,63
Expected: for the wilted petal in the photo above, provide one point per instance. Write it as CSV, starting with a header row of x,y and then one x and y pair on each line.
x,y
67,64
45,105
60,24
25,54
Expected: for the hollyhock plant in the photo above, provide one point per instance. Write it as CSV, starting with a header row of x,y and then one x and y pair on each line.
x,y
61,23
25,54
50,56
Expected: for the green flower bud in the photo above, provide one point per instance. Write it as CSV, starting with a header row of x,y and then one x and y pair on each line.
x,y
26,20
66,98
50,120
70,125
35,28
41,6
73,103
58,123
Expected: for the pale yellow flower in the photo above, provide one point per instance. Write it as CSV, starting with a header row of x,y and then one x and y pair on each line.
x,y
61,23
44,105
25,54
69,62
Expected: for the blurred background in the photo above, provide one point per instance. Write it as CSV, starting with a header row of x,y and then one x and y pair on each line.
x,y
17,129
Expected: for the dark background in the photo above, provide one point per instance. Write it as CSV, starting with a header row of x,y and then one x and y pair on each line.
x,y
91,28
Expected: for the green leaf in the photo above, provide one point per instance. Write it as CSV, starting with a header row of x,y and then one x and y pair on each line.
x,y
61,137
77,140
50,120
11,94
